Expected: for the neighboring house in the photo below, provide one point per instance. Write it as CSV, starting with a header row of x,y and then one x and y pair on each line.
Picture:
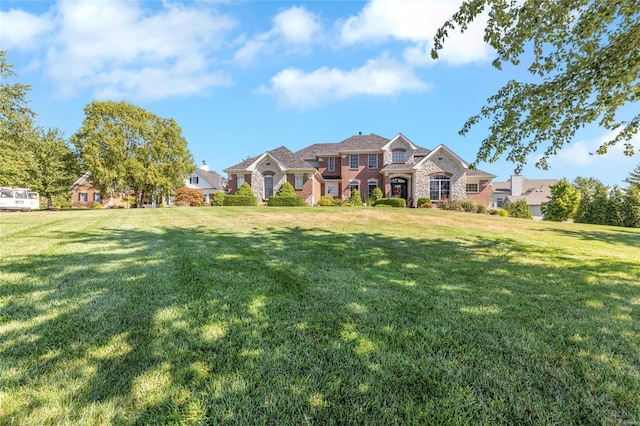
x,y
397,166
206,181
534,191
85,194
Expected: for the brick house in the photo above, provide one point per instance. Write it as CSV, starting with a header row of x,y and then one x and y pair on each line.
x,y
85,194
397,166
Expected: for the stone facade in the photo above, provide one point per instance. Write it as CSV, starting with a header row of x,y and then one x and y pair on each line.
x,y
442,164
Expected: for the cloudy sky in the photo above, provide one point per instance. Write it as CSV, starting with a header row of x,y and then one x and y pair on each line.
x,y
243,77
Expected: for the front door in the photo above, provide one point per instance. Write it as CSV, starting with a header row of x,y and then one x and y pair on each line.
x,y
399,188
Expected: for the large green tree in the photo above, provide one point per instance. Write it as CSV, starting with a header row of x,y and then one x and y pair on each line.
x,y
55,167
128,149
584,63
16,128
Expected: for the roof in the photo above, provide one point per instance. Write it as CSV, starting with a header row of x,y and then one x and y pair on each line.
x,y
286,159
534,191
355,143
212,177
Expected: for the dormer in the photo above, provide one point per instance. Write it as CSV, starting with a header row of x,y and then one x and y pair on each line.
x,y
399,150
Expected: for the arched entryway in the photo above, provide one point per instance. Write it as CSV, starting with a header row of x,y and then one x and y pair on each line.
x,y
399,188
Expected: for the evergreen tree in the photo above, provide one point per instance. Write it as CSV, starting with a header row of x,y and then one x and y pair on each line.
x,y
563,202
356,199
592,207
519,209
631,206
634,177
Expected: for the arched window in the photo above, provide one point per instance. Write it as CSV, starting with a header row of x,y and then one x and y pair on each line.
x,y
439,187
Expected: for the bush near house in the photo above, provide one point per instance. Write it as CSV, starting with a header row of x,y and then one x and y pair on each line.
x,y
356,198
286,197
375,195
326,201
217,199
453,205
188,197
243,197
424,202
519,209
392,202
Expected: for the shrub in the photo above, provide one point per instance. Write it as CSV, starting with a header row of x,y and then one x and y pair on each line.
x,y
519,209
503,212
481,208
375,195
356,199
161,206
452,205
188,197
494,212
425,202
244,190
240,200
340,202
96,205
217,199
326,201
468,206
392,202
243,197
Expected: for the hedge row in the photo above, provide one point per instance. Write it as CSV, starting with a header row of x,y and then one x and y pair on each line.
x,y
393,202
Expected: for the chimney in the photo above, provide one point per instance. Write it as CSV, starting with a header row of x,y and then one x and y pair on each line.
x,y
517,184
204,166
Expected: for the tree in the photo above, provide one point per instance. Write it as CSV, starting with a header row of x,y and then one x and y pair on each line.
x,y
128,149
356,198
375,195
16,128
632,207
592,207
56,166
585,67
563,202
634,177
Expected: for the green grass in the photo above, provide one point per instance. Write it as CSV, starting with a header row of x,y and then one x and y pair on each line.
x,y
316,316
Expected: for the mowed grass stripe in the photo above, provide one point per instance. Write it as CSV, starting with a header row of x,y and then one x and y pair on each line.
x,y
319,316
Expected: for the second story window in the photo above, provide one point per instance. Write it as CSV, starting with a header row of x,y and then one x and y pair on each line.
x,y
397,156
373,161
353,161
332,164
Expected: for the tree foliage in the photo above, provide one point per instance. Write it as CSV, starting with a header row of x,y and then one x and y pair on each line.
x,y
563,202
356,198
16,128
519,209
634,177
584,64
128,149
188,197
55,167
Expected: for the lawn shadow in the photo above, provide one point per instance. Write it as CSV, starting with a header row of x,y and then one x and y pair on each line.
x,y
288,324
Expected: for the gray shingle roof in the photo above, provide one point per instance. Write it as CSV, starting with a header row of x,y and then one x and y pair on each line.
x,y
288,159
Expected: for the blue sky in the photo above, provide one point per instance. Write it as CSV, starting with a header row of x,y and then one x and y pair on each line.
x,y
244,77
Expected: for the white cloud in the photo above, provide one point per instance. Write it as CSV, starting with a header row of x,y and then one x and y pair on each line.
x,y
583,152
416,21
22,30
378,77
293,29
117,49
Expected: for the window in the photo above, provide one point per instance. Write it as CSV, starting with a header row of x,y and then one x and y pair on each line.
x,y
268,187
332,189
373,184
373,161
439,186
299,181
354,185
472,187
397,156
193,180
353,161
96,197
332,164
240,181
83,197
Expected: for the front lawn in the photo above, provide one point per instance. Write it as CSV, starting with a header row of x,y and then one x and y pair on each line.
x,y
316,316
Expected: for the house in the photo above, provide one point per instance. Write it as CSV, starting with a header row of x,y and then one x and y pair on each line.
x,y
397,166
534,191
206,181
85,194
